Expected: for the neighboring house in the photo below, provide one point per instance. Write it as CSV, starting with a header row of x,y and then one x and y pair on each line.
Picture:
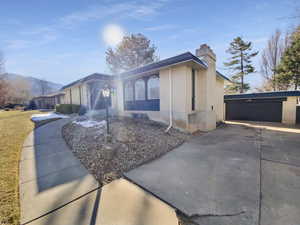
x,y
87,91
49,101
278,106
184,91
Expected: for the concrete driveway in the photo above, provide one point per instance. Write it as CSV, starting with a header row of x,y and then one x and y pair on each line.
x,y
242,173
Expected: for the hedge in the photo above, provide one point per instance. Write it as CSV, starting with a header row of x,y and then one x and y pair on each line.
x,y
70,108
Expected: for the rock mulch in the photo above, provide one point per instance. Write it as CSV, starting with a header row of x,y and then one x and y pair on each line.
x,y
132,143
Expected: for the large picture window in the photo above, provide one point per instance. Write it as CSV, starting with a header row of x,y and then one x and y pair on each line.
x,y
153,88
128,91
140,90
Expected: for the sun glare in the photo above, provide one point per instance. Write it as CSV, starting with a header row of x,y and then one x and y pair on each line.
x,y
112,34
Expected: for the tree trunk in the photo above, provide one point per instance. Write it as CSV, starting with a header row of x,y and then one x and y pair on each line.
x,y
242,75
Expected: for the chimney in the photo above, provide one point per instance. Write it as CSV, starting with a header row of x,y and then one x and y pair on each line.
x,y
206,53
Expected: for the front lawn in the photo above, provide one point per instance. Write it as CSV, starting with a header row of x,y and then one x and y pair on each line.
x,y
14,127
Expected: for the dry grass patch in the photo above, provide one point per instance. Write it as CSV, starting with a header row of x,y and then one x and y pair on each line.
x,y
14,127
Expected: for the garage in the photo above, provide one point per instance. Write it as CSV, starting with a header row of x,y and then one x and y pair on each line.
x,y
254,110
268,106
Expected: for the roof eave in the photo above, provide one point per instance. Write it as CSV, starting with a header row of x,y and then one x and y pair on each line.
x,y
161,68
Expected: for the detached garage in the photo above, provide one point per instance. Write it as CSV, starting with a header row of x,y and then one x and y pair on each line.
x,y
278,106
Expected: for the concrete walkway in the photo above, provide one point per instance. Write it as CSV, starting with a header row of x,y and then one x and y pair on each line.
x,y
51,177
55,189
246,174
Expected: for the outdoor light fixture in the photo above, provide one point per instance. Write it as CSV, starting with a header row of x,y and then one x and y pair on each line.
x,y
106,92
106,95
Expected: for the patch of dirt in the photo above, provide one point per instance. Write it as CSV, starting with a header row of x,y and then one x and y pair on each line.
x,y
132,143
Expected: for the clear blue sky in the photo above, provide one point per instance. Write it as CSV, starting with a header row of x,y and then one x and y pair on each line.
x,y
61,41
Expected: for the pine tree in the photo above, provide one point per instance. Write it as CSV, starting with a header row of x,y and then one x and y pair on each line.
x,y
289,68
241,63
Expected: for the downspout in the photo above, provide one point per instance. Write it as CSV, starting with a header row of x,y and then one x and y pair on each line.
x,y
171,102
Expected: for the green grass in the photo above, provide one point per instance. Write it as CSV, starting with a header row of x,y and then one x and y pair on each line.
x,y
14,127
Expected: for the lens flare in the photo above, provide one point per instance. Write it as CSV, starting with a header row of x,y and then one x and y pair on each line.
x,y
112,34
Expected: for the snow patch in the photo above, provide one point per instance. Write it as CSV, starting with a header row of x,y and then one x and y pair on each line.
x,y
47,116
90,123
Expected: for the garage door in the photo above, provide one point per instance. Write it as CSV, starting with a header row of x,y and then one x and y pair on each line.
x,y
255,110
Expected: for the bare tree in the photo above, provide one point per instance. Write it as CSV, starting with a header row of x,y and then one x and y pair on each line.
x,y
18,92
3,83
271,57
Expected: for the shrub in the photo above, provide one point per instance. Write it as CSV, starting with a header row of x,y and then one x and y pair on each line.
x,y
70,108
82,110
64,108
31,105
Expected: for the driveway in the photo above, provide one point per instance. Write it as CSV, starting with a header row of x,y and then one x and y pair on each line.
x,y
241,173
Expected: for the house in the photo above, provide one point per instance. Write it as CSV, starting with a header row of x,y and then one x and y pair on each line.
x,y
277,106
185,91
49,101
87,91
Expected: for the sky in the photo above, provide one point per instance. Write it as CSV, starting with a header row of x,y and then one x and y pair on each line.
x,y
62,41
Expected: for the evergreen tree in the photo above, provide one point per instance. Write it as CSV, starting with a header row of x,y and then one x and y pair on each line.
x,y
134,51
241,63
289,67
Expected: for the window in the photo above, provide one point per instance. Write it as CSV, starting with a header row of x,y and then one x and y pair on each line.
x,y
153,87
128,91
193,89
140,90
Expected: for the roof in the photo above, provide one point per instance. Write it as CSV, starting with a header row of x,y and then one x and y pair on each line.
x,y
99,76
274,94
185,57
50,95
223,76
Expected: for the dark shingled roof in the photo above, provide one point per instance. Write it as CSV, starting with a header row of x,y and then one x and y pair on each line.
x,y
274,94
187,56
90,77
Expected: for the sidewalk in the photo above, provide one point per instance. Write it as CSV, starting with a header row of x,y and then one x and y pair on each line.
x,y
51,177
56,189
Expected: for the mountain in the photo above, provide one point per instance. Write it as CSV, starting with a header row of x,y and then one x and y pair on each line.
x,y
36,86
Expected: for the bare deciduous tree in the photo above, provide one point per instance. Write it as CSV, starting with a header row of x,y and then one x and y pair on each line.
x,y
3,83
271,57
18,92
1,63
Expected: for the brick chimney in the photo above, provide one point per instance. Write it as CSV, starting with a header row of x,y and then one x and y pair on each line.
x,y
206,53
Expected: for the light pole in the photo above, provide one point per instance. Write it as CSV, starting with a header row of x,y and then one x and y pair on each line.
x,y
106,95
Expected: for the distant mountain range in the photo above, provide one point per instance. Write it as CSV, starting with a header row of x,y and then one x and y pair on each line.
x,y
37,86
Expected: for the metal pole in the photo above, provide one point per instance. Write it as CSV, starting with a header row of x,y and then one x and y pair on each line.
x,y
107,124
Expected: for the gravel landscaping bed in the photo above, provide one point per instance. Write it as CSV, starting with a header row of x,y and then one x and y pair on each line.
x,y
132,143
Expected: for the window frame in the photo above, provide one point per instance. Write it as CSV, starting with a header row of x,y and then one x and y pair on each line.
x,y
157,78
129,82
135,89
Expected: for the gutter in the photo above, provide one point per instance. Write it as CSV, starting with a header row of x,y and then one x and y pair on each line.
x,y
171,102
